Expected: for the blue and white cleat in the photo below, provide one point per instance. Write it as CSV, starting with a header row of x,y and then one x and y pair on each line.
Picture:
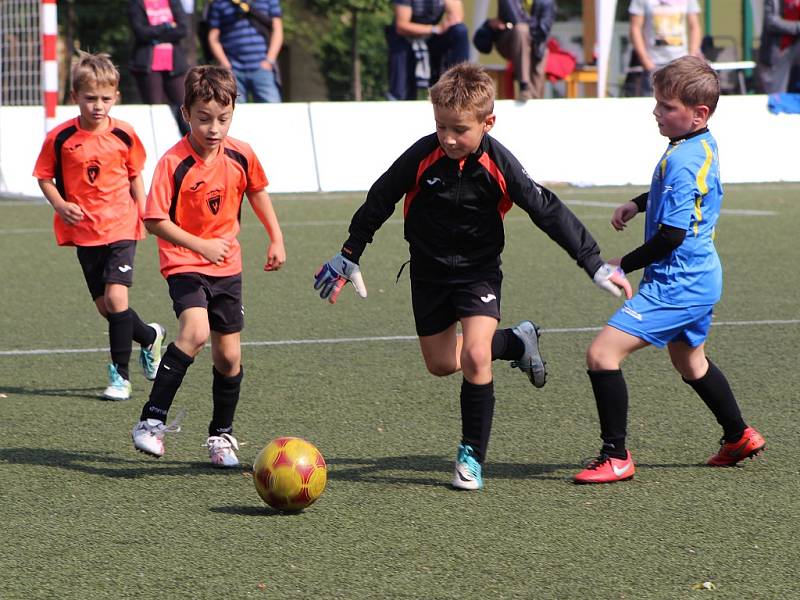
x,y
221,450
468,470
531,363
118,388
150,356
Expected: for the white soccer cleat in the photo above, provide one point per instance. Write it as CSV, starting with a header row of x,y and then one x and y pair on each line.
x,y
221,450
148,435
150,356
467,474
118,388
531,363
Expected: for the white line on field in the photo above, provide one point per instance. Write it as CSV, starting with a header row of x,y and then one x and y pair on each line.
x,y
733,212
381,338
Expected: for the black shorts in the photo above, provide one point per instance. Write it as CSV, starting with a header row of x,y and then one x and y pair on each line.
x,y
437,305
111,263
220,296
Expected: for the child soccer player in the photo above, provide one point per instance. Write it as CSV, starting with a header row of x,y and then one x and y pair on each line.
x,y
682,276
89,169
193,207
458,184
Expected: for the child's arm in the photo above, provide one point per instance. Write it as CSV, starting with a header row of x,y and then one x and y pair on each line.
x,y
625,212
69,212
215,250
262,206
138,193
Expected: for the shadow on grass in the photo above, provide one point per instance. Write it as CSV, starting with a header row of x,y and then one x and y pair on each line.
x,y
390,470
89,393
107,465
253,511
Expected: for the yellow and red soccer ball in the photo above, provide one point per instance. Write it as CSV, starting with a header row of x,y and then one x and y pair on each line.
x,y
290,474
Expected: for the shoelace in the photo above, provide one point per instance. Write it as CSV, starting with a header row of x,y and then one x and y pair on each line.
x,y
218,442
598,462
172,427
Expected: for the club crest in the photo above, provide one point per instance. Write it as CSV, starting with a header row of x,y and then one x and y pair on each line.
x,y
214,199
92,171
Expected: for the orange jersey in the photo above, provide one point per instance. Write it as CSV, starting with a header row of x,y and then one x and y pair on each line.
x,y
93,170
205,199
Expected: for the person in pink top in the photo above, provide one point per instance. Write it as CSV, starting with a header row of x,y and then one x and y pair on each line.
x,y
158,61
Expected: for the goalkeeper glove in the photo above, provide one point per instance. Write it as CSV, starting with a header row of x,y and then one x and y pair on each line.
x,y
334,274
612,279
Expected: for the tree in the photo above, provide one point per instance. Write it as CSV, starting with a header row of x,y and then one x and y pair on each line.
x,y
354,42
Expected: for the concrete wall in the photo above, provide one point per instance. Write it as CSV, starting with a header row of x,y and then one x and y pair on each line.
x,y
324,146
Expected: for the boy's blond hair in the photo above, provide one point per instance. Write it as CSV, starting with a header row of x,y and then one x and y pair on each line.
x,y
93,69
465,87
691,80
206,83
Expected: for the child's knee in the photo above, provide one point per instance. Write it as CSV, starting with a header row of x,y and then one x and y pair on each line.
x,y
597,359
476,358
193,339
440,368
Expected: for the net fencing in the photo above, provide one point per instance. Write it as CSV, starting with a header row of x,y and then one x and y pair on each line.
x,y
20,53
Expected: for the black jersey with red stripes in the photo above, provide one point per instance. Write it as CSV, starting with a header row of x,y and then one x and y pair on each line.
x,y
454,210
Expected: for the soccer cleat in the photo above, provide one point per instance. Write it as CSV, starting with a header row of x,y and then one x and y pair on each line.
x,y
607,469
148,435
118,388
221,450
468,470
731,453
150,356
531,362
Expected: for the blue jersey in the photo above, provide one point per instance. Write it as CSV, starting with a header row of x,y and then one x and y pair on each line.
x,y
244,46
686,193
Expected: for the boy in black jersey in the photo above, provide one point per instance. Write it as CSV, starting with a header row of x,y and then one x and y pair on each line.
x,y
458,184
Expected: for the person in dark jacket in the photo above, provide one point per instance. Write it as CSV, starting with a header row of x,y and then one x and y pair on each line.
x,y
779,54
521,37
158,61
458,185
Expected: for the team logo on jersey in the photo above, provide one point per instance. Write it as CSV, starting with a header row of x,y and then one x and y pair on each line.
x,y
93,170
214,199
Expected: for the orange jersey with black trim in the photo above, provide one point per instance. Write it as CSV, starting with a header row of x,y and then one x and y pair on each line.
x,y
205,199
94,170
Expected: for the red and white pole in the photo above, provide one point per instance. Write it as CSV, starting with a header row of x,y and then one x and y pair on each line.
x,y
49,28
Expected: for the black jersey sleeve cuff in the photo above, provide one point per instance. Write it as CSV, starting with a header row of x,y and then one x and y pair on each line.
x,y
657,247
353,249
641,202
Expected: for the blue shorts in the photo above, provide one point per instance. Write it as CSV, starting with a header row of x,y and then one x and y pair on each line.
x,y
660,324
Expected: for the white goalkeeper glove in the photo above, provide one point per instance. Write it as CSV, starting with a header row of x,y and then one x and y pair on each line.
x,y
612,279
334,274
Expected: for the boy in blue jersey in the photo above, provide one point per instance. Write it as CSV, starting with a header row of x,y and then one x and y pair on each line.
x,y
682,276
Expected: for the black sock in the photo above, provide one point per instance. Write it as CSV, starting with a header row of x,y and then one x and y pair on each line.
x,y
477,410
169,377
143,334
506,345
611,397
225,391
715,391
120,331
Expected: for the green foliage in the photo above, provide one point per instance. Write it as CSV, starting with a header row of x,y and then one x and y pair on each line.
x,y
334,52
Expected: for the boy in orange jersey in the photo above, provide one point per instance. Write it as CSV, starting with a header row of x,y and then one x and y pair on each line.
x,y
89,169
193,207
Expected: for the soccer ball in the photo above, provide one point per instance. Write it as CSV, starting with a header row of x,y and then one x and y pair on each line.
x,y
290,474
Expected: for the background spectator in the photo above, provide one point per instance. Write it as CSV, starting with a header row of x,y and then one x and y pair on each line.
x,y
525,42
158,61
426,37
660,32
246,37
779,53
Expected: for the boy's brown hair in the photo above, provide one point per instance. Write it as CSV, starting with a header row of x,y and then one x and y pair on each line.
x,y
93,69
465,87
208,82
691,80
